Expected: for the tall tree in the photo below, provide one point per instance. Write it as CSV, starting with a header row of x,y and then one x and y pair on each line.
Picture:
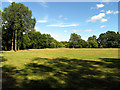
x,y
19,18
109,39
74,40
93,42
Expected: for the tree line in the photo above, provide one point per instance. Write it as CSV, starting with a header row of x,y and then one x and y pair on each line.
x,y
110,39
18,33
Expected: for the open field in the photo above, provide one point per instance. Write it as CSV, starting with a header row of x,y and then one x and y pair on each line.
x,y
62,68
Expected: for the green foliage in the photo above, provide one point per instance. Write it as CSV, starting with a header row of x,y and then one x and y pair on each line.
x,y
17,17
93,42
36,40
109,39
74,40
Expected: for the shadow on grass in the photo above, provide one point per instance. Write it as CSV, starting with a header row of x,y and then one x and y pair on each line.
x,y
7,80
63,73
114,62
2,59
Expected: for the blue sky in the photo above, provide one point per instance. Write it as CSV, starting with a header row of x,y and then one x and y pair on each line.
x,y
60,19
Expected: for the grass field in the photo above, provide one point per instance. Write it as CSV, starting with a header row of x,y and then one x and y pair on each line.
x,y
62,68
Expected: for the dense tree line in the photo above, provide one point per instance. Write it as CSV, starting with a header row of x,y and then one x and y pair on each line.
x,y
36,40
18,33
110,39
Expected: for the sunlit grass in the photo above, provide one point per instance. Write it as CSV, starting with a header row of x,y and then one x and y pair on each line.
x,y
21,57
63,68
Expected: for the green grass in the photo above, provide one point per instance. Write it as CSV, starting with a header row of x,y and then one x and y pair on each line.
x,y
62,68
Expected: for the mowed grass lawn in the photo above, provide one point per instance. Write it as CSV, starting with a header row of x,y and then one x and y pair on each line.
x,y
62,68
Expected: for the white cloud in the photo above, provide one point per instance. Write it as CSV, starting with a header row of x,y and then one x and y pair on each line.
x,y
112,12
62,25
10,1
102,10
109,12
103,20
57,37
88,30
36,28
100,5
43,4
96,17
75,30
116,12
102,26
60,16
42,21
65,31
84,38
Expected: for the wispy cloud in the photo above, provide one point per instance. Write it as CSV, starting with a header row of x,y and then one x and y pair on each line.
x,y
112,12
60,16
57,36
103,20
43,4
62,25
10,1
44,20
96,17
109,12
84,38
75,30
65,31
99,5
102,26
102,10
87,30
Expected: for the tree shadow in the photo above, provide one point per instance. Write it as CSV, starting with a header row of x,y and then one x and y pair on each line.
x,y
49,82
62,73
113,62
7,79
38,68
2,59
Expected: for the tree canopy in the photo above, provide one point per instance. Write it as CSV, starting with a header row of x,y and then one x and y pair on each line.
x,y
16,20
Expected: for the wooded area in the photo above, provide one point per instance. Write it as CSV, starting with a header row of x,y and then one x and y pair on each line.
x,y
18,33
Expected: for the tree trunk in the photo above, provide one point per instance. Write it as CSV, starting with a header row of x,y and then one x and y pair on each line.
x,y
12,41
15,40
